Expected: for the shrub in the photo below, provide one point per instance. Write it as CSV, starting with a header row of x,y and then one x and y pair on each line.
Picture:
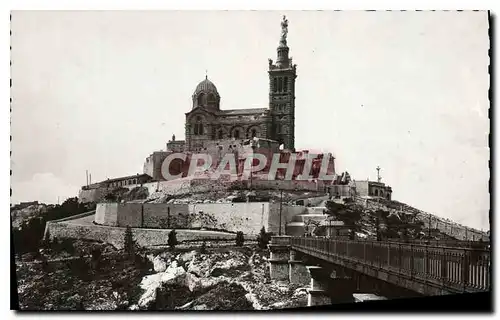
x,y
129,242
96,254
67,245
172,239
239,239
55,245
263,238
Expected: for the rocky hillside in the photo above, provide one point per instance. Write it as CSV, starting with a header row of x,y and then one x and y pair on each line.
x,y
441,227
220,278
22,215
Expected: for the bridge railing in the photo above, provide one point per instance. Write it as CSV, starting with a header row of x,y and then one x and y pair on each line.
x,y
460,269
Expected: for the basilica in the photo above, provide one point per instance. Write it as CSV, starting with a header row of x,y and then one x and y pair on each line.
x,y
207,123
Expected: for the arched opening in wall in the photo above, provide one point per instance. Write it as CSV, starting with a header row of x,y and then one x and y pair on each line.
x,y
201,99
211,101
285,84
376,192
198,127
275,84
236,134
254,133
220,135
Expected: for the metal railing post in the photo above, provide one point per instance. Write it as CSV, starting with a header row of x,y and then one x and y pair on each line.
x,y
411,260
465,269
389,254
444,267
400,257
364,251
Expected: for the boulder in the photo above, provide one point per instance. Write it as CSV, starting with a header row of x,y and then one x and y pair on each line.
x,y
200,307
195,283
159,264
151,283
186,257
200,266
236,262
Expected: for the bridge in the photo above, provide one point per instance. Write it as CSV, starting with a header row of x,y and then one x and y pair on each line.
x,y
425,269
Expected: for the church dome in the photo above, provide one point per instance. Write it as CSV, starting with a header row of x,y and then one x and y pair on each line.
x,y
206,86
206,95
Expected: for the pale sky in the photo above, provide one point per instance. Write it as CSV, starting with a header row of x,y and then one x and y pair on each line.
x,y
407,91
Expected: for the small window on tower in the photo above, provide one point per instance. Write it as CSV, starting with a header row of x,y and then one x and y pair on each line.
x,y
275,84
285,84
280,84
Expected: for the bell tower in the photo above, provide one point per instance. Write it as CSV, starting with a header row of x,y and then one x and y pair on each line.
x,y
282,76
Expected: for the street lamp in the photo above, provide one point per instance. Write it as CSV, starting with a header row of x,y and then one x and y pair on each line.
x,y
281,201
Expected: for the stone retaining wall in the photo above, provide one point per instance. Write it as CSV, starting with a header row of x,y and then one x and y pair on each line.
x,y
116,235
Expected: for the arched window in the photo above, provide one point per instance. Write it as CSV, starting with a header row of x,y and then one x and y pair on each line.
x,y
236,134
280,84
201,99
275,84
221,134
211,100
285,84
198,127
254,133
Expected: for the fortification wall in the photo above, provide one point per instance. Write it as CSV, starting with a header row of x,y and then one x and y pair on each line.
x,y
115,235
162,215
129,214
248,217
106,214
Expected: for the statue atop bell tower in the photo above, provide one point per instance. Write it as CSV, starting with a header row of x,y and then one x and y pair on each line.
x,y
284,30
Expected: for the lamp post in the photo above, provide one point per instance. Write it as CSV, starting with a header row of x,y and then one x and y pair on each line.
x,y
281,200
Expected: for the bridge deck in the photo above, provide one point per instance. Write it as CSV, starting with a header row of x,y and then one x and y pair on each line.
x,y
428,269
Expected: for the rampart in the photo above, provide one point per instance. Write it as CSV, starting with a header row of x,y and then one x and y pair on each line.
x,y
248,217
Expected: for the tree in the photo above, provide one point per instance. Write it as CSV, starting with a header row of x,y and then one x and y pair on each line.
x,y
203,248
55,245
172,239
239,239
263,238
96,254
67,245
350,214
129,242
